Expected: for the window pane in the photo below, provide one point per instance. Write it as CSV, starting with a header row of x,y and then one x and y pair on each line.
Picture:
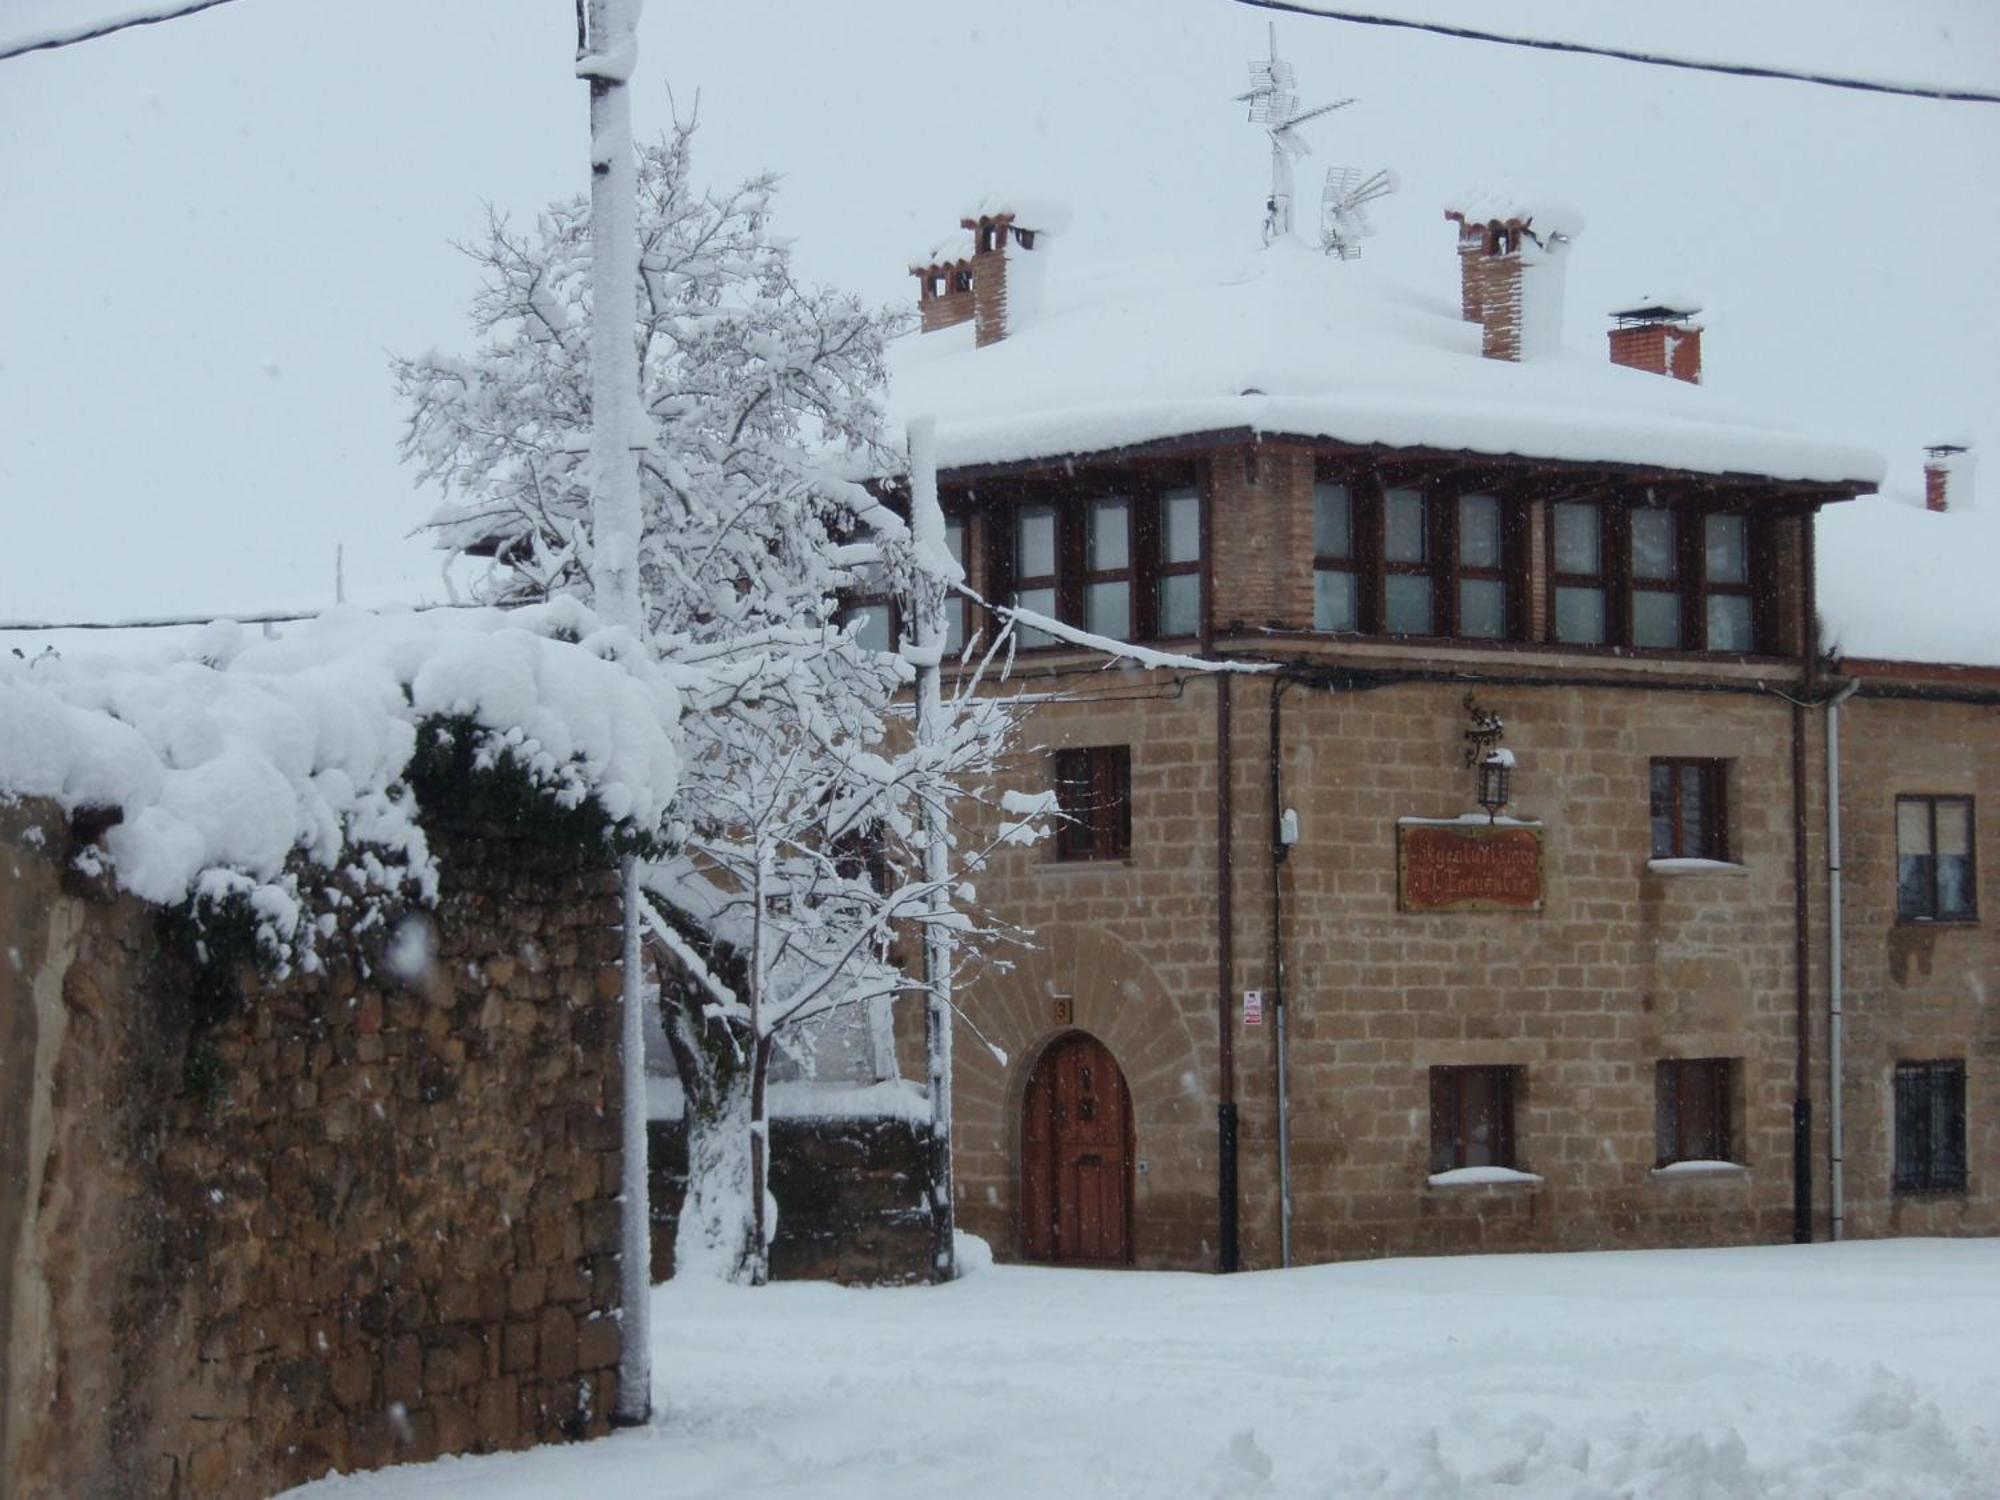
x,y
1478,531
1729,623
1913,826
1180,604
1107,610
1110,544
1954,859
870,623
1480,1118
1035,542
1580,616
954,626
1482,608
1406,538
1042,602
954,538
1180,527
1579,540
1409,605
1662,809
1694,814
1333,521
1728,541
1656,619
1914,889
1333,601
1653,544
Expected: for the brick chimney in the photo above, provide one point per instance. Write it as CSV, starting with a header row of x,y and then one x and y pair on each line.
x,y
1511,275
1948,477
999,285
1658,337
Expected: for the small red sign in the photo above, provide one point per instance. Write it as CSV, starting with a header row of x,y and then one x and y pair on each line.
x,y
1470,867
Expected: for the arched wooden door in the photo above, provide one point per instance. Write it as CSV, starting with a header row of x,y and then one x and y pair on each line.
x,y
1076,1157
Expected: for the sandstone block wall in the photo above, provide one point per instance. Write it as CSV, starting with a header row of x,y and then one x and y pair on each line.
x,y
395,1235
854,1199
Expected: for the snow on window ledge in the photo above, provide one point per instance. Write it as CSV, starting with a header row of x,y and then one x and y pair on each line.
x,y
1465,1177
1701,1169
1695,867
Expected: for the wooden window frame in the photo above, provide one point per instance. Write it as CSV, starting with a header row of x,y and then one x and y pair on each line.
x,y
1716,829
1691,584
1128,575
1371,569
1145,499
1703,588
1932,801
1097,826
1605,580
1917,1162
1676,587
1681,1131
1450,1090
1354,565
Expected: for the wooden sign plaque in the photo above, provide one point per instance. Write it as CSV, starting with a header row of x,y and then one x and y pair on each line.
x,y
1469,866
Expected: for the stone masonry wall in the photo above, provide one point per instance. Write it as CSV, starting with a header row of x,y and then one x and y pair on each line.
x,y
394,1236
1621,968
853,1199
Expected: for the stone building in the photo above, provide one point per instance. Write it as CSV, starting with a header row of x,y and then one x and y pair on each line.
x,y
1308,982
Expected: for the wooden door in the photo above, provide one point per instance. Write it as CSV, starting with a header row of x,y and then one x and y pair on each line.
x,y
1076,1157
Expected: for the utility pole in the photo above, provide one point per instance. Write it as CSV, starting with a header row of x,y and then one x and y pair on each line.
x,y
607,49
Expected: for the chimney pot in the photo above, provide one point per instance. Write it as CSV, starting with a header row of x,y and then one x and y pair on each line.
x,y
1511,279
1659,337
1947,477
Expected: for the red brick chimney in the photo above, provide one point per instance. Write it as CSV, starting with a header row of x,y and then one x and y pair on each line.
x,y
1947,477
999,284
1660,338
1511,278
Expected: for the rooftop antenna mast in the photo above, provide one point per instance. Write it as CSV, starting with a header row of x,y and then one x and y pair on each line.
x,y
1274,105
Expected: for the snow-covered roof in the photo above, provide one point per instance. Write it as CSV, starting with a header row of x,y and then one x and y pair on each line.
x,y
1900,583
1289,341
230,754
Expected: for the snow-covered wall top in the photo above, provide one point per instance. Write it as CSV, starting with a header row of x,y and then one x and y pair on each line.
x,y
230,754
1288,341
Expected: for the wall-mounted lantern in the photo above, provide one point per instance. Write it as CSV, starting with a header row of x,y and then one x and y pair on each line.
x,y
1496,780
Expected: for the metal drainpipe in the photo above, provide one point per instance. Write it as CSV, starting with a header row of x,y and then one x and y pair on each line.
x,y
1279,849
1228,1255
1836,1021
1802,994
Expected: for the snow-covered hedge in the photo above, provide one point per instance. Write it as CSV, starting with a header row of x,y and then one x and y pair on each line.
x,y
277,772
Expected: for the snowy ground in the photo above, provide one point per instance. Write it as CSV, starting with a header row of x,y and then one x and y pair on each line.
x,y
1830,1370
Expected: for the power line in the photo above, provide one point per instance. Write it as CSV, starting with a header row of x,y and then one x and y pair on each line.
x,y
168,622
1651,59
51,40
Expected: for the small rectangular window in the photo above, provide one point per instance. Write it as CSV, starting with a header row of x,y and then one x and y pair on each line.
x,y
1472,1118
1408,607
1930,1127
1482,577
954,603
1689,809
1179,601
1581,615
1729,612
1691,1110
1656,580
1035,568
1336,594
1934,859
1107,581
1094,796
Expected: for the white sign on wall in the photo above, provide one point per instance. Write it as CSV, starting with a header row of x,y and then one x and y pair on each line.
x,y
1253,1007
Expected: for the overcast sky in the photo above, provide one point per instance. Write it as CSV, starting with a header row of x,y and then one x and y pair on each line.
x,y
217,229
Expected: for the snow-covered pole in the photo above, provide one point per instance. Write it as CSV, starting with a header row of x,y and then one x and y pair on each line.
x,y
606,53
930,579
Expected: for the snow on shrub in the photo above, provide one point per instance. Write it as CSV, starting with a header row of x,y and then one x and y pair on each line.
x,y
275,775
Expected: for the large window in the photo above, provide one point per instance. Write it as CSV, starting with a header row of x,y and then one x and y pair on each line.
x,y
1403,560
1692,1117
1934,870
1472,1118
1650,577
1126,566
1930,1127
1094,796
1690,809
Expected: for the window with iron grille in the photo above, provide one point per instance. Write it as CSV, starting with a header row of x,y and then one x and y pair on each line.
x,y
1690,809
1934,867
1472,1117
1692,1115
1930,1127
1094,796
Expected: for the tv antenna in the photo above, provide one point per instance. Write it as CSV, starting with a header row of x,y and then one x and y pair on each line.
x,y
1343,205
1275,106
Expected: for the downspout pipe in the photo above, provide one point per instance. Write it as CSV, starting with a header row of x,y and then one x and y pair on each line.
x,y
1280,848
1802,1210
1836,1019
1227,1252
